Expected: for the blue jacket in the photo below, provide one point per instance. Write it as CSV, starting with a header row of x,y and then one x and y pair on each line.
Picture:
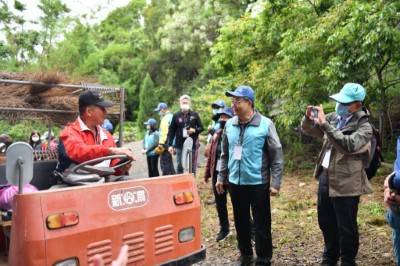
x,y
396,179
150,142
261,157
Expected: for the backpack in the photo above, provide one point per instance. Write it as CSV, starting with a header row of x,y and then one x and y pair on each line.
x,y
375,156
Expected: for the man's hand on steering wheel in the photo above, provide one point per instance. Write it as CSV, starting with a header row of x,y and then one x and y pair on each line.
x,y
123,151
125,168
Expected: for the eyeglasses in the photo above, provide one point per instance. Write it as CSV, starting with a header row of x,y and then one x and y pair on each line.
x,y
236,102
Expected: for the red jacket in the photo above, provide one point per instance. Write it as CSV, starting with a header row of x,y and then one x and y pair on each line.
x,y
212,157
78,144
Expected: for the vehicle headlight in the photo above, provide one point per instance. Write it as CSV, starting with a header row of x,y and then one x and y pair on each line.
x,y
186,234
68,262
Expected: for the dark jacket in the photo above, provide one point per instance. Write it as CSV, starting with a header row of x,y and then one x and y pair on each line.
x,y
38,146
213,156
179,122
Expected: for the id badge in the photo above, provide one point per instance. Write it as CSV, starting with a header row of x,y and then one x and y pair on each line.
x,y
218,166
325,161
237,152
185,134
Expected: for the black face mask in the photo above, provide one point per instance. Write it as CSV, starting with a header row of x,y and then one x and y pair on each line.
x,y
215,117
222,123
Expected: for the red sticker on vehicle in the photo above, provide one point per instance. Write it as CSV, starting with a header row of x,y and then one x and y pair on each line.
x,y
128,198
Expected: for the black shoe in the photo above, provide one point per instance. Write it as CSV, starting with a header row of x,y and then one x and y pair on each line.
x,y
245,260
261,261
326,263
222,235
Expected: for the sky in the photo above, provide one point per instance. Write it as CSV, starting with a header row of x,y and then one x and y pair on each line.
x,y
78,8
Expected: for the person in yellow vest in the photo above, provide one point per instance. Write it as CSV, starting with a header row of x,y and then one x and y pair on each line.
x,y
166,164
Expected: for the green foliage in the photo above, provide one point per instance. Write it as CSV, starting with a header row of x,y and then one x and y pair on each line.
x,y
129,132
296,53
148,101
21,131
179,53
202,98
372,213
293,53
52,20
120,23
70,53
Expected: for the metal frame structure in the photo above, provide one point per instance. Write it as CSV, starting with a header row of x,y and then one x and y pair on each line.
x,y
79,88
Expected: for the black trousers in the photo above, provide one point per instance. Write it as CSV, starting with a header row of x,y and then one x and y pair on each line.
x,y
337,219
220,203
257,199
166,164
152,165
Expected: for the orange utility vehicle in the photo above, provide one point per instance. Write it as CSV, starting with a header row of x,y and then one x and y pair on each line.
x,y
158,218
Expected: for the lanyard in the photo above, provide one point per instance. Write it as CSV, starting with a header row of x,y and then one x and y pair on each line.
x,y
184,118
241,135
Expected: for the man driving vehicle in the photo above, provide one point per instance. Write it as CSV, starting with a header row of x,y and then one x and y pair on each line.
x,y
85,140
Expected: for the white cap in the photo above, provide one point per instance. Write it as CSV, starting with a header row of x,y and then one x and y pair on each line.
x,y
46,135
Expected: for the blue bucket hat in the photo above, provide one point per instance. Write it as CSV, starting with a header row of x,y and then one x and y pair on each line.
x,y
218,104
242,91
227,111
351,92
151,121
160,106
107,125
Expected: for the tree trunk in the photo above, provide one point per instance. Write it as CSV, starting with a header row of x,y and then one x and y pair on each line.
x,y
383,115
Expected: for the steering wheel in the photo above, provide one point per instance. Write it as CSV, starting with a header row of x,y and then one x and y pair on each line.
x,y
101,170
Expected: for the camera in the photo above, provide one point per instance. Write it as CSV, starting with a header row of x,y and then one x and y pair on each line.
x,y
314,112
392,185
187,127
394,207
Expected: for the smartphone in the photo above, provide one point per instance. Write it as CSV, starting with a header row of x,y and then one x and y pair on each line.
x,y
314,112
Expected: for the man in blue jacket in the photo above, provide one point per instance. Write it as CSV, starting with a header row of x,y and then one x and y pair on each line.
x,y
251,154
392,199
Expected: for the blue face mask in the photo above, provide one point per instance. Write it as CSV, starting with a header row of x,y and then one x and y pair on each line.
x,y
160,113
342,110
148,127
216,111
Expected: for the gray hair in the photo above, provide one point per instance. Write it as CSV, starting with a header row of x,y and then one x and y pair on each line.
x,y
185,97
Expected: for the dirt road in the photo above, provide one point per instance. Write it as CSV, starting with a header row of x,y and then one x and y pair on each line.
x,y
139,168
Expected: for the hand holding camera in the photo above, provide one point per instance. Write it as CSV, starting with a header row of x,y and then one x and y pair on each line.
x,y
392,185
391,193
316,114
